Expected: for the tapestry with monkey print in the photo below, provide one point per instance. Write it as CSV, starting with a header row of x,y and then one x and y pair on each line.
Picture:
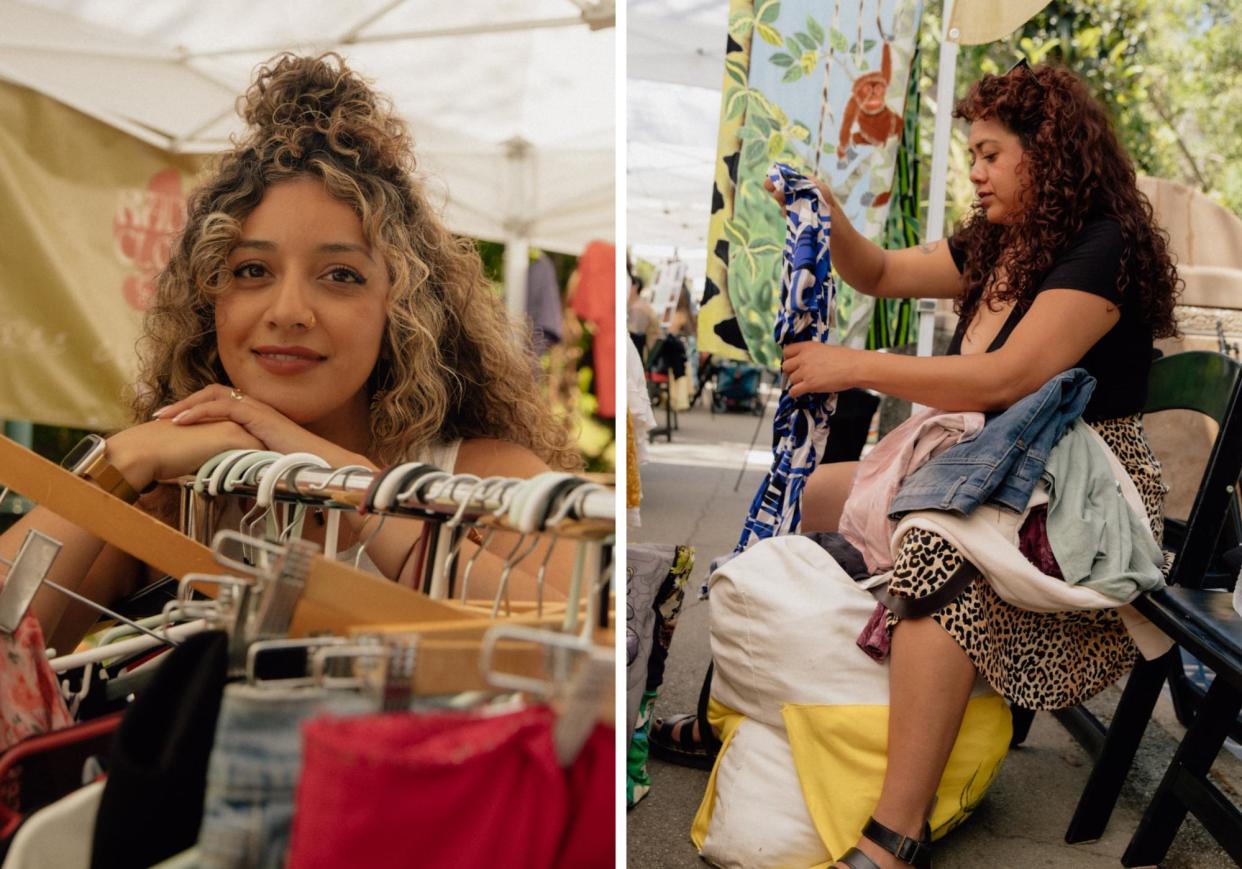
x,y
822,87
718,330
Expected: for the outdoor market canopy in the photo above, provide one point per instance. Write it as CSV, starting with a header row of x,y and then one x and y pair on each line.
x,y
511,102
674,69
108,106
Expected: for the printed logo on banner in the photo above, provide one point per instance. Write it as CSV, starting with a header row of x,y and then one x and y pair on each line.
x,y
144,226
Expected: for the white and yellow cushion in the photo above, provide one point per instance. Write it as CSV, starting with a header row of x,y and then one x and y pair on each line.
x,y
785,618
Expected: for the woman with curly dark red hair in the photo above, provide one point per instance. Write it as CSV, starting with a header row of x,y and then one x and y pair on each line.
x,y
1059,265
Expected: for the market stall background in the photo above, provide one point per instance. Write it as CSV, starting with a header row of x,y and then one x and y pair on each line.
x,y
1167,70
110,108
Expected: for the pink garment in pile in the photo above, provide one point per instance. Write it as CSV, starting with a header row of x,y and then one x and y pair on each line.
x,y
30,701
864,519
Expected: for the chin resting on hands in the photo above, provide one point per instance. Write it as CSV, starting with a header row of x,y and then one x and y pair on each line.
x,y
158,450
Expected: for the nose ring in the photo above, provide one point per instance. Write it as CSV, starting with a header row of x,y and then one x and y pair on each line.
x,y
310,321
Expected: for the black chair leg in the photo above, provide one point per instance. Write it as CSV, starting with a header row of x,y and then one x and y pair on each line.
x,y
1185,774
1022,718
1185,698
1099,797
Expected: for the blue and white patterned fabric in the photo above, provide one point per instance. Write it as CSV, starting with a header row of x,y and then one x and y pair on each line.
x,y
800,428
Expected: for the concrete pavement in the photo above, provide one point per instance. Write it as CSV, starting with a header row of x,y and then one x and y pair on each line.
x,y
689,497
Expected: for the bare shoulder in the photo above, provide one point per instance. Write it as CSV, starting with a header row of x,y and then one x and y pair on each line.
x,y
923,272
488,457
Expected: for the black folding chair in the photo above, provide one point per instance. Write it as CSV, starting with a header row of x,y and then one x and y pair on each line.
x,y
1199,618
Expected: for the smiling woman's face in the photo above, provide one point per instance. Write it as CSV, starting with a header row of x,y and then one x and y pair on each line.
x,y
997,169
301,326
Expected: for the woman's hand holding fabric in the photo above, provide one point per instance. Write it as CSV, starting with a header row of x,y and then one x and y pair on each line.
x,y
813,367
824,190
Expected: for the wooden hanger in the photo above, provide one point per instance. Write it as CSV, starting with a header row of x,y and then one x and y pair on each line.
x,y
336,597
445,665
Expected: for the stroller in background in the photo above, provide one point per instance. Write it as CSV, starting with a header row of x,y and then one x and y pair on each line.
x,y
735,386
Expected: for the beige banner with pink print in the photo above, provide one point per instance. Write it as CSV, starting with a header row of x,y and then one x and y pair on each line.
x,y
87,214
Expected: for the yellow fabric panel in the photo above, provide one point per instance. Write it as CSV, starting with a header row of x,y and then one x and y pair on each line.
x,y
633,483
718,309
86,217
841,755
724,721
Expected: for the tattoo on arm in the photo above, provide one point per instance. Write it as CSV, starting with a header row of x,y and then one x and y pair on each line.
x,y
929,248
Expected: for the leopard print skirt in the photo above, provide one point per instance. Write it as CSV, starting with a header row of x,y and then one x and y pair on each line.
x,y
1042,661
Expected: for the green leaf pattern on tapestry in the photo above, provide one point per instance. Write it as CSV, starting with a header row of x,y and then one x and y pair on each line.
x,y
801,50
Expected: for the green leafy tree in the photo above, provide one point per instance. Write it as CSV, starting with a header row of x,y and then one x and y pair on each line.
x,y
1169,72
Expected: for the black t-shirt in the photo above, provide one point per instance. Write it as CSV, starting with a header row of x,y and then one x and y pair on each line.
x,y
1121,360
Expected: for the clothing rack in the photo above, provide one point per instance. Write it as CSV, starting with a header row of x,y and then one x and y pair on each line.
x,y
555,504
336,596
442,496
391,649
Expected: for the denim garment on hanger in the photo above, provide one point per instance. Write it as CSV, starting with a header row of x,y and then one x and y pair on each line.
x,y
1003,461
254,768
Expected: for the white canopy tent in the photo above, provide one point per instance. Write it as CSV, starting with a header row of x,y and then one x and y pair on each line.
x,y
511,101
674,69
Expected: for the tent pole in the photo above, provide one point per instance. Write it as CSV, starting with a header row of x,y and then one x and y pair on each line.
x,y
517,264
945,79
517,198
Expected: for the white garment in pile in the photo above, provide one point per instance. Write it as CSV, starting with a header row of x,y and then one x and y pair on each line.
x,y
988,538
58,836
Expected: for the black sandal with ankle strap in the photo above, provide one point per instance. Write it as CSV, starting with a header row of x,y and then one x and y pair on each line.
x,y
915,852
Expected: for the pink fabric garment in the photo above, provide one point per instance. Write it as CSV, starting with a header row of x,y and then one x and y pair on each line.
x,y
30,701
595,300
874,638
591,833
864,518
434,791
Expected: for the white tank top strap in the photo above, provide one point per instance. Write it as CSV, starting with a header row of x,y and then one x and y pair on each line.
x,y
442,455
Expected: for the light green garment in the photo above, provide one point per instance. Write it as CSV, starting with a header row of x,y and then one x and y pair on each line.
x,y
1097,538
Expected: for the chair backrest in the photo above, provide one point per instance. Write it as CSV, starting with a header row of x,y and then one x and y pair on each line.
x,y
1210,383
1195,380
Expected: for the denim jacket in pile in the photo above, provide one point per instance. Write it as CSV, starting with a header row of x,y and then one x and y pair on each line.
x,y
1004,460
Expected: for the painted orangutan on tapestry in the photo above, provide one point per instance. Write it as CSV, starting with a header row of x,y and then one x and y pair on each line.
x,y
821,86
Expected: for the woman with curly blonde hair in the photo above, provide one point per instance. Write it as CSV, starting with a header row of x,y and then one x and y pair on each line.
x,y
314,302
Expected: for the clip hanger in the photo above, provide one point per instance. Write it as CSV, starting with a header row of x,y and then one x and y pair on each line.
x,y
580,691
28,571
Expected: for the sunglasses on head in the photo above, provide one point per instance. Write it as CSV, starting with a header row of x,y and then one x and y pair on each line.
x,y
1025,64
